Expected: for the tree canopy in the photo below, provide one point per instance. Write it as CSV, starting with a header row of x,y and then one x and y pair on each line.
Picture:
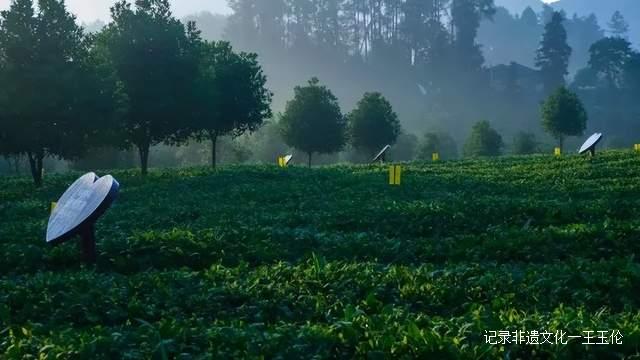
x,y
618,26
483,141
155,59
230,97
45,91
437,142
553,54
609,57
373,123
312,121
563,115
524,143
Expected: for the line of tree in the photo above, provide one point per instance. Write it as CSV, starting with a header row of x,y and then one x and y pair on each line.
x,y
395,46
313,122
145,79
426,57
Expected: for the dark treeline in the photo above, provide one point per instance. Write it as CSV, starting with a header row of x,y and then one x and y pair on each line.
x,y
144,79
444,64
516,37
449,69
423,55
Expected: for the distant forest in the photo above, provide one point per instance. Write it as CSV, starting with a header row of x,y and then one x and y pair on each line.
x,y
443,64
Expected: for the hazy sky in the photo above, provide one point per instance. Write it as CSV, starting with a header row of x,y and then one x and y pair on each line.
x,y
89,10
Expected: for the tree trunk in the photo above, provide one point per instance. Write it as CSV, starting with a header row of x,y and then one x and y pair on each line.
x,y
309,159
35,164
13,165
16,163
214,143
561,143
143,150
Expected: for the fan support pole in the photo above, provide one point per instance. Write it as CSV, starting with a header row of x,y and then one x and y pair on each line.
x,y
88,243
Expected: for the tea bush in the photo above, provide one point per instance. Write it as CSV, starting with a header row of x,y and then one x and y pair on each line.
x,y
262,262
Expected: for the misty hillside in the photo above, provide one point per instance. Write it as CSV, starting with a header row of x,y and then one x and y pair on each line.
x,y
442,71
510,35
630,8
513,32
604,9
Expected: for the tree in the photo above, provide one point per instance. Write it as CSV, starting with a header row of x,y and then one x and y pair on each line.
x,y
155,59
241,25
529,17
46,95
267,143
7,150
437,142
547,13
466,16
582,32
586,78
618,26
230,97
609,57
553,54
483,141
563,115
632,74
312,121
373,124
632,87
404,148
524,143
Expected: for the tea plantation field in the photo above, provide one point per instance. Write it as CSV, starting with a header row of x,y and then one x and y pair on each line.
x,y
262,262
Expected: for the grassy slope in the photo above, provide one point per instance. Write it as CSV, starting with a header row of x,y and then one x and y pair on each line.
x,y
332,262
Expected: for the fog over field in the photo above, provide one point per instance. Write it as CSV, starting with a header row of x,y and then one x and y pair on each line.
x,y
443,65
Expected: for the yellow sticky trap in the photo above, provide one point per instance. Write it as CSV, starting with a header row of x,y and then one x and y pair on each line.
x,y
435,156
636,147
53,206
395,174
557,151
280,161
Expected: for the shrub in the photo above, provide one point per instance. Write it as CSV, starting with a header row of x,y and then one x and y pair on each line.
x,y
483,141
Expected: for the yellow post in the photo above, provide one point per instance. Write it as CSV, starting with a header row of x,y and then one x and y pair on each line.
x,y
53,206
395,174
557,151
435,156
